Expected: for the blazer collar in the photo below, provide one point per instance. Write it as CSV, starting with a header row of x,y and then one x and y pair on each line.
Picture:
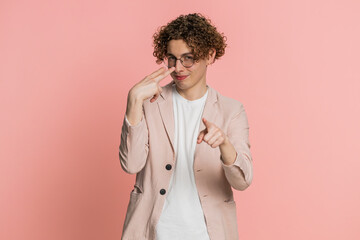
x,y
165,105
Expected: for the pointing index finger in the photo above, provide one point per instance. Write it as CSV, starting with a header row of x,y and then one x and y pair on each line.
x,y
157,72
164,74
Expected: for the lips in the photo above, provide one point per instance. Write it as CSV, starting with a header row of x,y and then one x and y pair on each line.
x,y
181,77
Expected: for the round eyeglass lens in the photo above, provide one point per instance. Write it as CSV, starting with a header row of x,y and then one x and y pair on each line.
x,y
187,61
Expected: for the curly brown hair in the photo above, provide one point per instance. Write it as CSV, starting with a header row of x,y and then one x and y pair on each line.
x,y
198,33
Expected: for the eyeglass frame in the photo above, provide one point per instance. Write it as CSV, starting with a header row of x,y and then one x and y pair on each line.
x,y
181,61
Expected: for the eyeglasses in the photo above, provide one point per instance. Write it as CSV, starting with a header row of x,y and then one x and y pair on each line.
x,y
186,61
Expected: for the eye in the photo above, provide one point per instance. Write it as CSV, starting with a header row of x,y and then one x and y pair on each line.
x,y
171,58
188,58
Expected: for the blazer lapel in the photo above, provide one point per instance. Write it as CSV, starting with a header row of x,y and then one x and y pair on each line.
x,y
210,111
165,105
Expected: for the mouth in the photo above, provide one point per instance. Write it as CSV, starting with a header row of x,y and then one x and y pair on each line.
x,y
181,77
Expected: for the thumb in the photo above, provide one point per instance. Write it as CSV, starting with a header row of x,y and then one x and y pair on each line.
x,y
201,136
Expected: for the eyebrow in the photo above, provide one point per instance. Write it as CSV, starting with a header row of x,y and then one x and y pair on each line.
x,y
181,54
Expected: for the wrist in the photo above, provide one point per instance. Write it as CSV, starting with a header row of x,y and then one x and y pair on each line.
x,y
134,98
226,141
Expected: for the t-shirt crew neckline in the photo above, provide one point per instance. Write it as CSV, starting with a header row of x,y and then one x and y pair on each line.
x,y
181,98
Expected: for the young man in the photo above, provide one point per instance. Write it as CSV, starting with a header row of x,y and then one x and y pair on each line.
x,y
188,144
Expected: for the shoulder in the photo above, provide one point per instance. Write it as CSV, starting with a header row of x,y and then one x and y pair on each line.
x,y
229,105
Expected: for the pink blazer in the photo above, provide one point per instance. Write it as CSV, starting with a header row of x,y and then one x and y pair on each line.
x,y
147,150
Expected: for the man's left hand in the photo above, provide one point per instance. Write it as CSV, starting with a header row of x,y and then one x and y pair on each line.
x,y
212,135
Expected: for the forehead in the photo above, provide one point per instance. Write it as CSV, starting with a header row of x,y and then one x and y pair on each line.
x,y
178,47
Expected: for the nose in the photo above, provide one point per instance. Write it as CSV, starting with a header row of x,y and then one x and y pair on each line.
x,y
178,66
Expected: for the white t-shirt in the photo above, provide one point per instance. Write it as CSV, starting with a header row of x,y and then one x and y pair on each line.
x,y
182,217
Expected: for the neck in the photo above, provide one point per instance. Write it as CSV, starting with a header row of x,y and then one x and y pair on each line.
x,y
193,93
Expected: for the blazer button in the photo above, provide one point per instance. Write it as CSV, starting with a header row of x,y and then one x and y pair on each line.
x,y
162,191
168,167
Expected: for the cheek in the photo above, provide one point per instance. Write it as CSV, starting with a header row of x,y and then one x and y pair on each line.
x,y
198,71
194,71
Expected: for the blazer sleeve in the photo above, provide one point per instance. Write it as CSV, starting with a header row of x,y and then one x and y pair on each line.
x,y
134,145
240,173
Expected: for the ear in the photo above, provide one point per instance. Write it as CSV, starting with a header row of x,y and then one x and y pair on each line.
x,y
211,57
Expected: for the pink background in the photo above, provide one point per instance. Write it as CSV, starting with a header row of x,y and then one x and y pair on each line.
x,y
65,71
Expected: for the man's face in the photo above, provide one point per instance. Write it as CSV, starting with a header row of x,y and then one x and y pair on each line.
x,y
195,75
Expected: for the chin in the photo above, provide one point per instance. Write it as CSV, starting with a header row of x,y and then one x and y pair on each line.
x,y
180,84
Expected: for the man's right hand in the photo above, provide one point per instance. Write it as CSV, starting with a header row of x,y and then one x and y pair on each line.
x,y
149,86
